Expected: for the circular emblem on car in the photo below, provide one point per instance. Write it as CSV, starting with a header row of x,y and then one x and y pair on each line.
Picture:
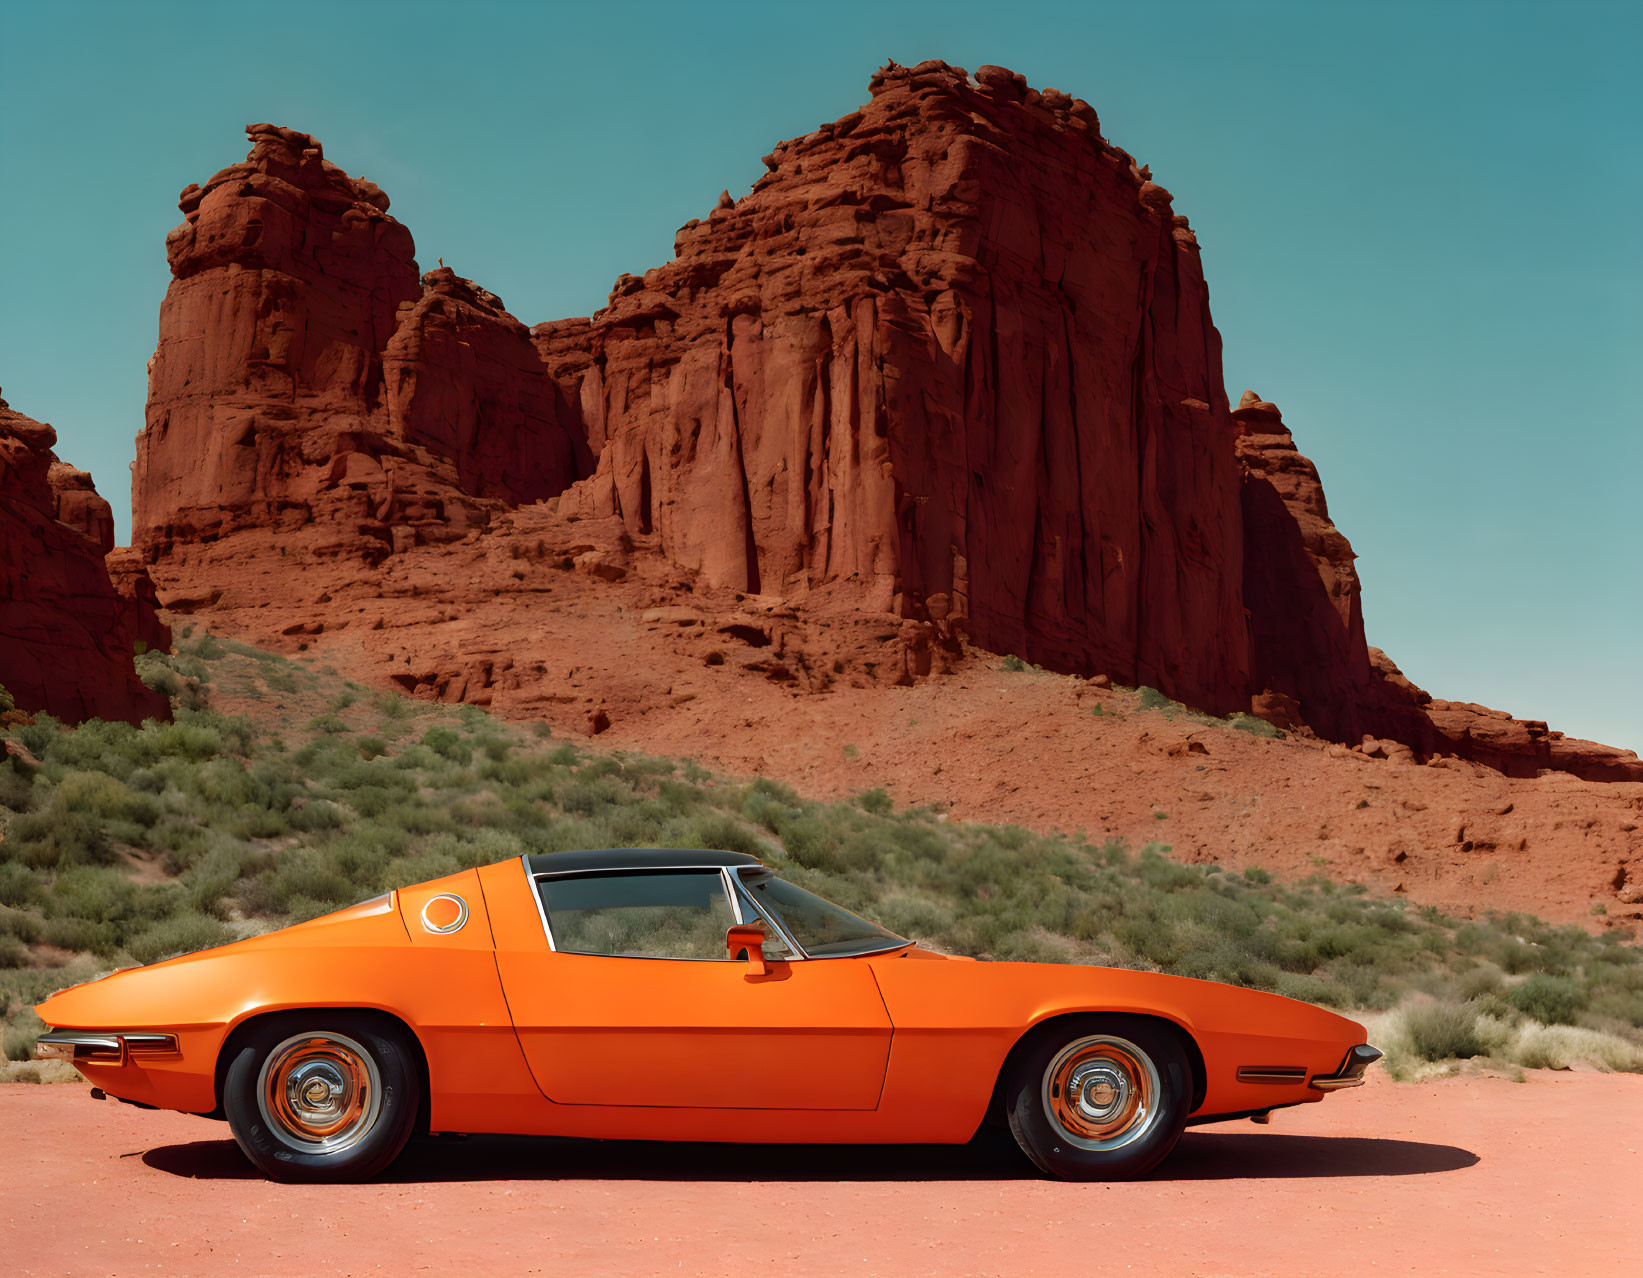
x,y
317,1093
444,913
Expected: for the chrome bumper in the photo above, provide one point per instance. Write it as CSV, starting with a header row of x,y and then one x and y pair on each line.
x,y
1351,1070
81,1047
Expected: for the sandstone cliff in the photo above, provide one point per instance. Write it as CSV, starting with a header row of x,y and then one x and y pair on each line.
x,y
308,384
66,632
950,363
953,356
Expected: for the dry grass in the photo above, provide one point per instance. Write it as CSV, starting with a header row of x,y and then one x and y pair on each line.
x,y
1425,1038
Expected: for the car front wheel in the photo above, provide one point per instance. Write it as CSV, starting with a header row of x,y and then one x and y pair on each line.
x,y
321,1098
1099,1098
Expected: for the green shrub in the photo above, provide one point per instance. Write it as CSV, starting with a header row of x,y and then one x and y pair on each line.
x,y
19,887
1481,982
193,739
98,796
39,736
311,875
207,647
50,840
1035,945
448,744
1250,724
724,832
914,916
877,801
158,676
16,789
1152,699
1444,1031
1550,999
23,925
84,935
17,1043
180,935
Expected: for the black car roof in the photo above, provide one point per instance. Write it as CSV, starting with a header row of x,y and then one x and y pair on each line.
x,y
634,859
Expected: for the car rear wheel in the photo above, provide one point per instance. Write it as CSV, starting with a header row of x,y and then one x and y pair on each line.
x,y
1099,1097
311,1097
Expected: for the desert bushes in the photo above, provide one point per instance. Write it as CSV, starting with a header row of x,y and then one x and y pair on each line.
x,y
129,844
1424,1037
1446,1031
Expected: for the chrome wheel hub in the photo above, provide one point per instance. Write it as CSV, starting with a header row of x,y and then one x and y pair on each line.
x,y
1101,1092
1099,1089
319,1092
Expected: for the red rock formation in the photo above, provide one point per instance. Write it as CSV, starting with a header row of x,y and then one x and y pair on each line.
x,y
465,383
306,384
1311,661
953,357
949,365
76,502
66,634
131,580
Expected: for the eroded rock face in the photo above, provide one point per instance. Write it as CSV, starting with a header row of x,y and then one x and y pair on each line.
x,y
1300,585
309,385
76,502
66,633
949,367
951,357
465,383
1312,664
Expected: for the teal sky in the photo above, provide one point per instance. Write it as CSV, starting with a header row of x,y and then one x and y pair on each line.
x,y
1419,225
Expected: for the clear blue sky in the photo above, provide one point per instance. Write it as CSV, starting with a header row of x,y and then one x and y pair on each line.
x,y
1419,226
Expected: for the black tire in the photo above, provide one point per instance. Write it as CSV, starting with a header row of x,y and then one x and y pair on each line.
x,y
347,1104
1138,1081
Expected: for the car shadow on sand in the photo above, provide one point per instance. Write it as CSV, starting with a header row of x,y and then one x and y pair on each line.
x,y
1201,1155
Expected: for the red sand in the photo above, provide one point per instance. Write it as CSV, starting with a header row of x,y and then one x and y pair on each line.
x,y
1474,1176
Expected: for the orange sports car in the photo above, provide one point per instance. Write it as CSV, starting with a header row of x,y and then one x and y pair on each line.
x,y
681,995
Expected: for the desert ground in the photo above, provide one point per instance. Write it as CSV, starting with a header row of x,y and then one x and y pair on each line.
x,y
1471,1175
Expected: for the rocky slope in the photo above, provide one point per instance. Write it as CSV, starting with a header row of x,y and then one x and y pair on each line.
x,y
947,373
592,640
67,629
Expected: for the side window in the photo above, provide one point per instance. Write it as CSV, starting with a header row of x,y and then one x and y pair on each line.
x,y
675,914
774,947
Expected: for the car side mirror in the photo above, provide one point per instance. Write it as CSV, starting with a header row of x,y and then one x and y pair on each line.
x,y
746,941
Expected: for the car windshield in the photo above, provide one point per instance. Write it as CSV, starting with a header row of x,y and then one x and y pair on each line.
x,y
823,929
